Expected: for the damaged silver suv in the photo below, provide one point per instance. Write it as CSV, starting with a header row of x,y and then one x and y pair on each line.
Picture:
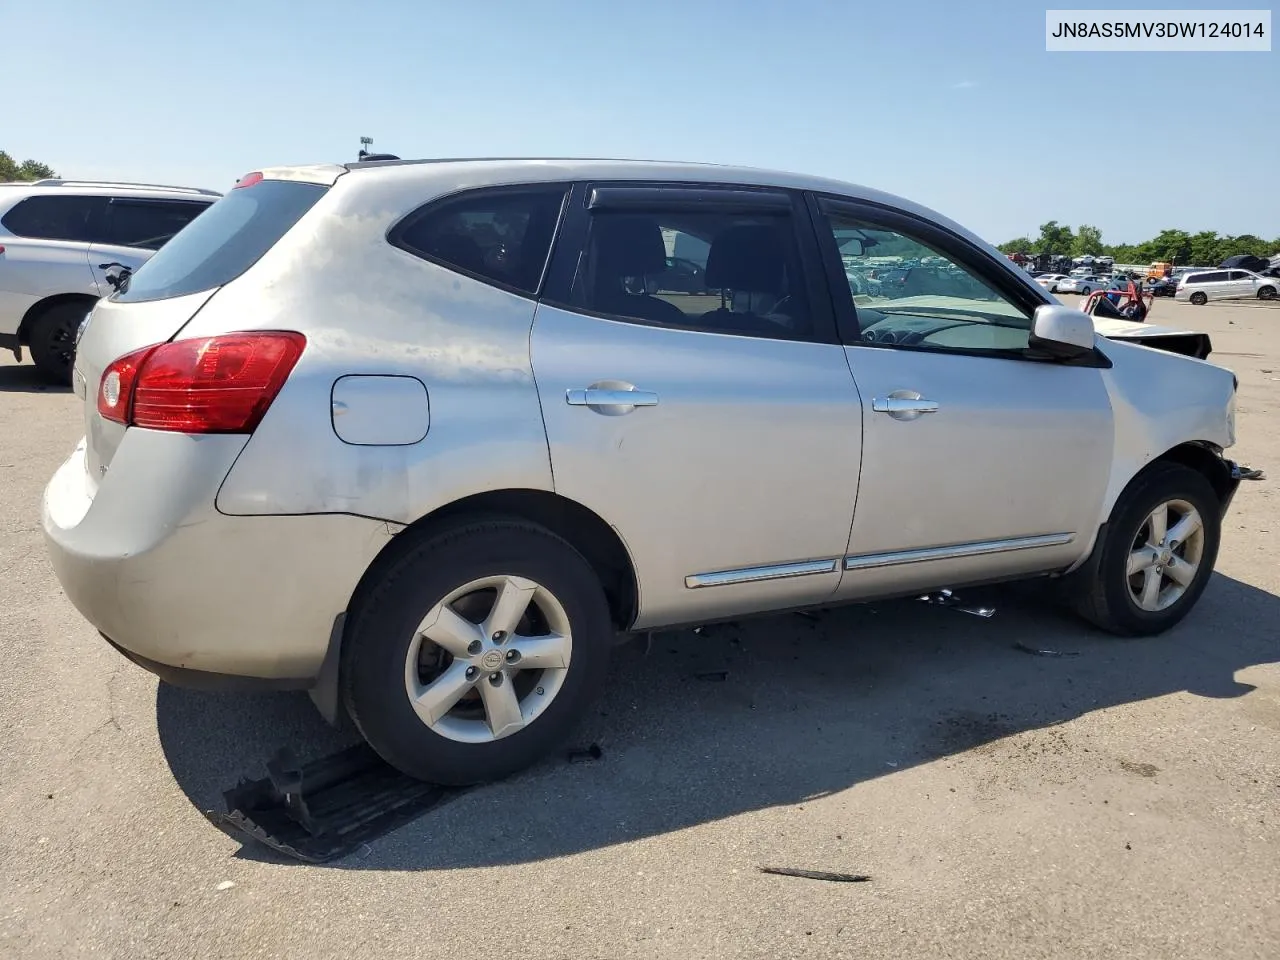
x,y
425,438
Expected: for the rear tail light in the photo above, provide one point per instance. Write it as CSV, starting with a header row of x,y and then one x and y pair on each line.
x,y
222,384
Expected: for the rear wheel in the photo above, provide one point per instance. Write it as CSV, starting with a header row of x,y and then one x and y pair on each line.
x,y
477,653
52,339
1266,293
1199,298
1158,555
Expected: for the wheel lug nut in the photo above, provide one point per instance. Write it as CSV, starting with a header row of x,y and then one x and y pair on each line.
x,y
474,647
513,656
500,636
471,673
495,679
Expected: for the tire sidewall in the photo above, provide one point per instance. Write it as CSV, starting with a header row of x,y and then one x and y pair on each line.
x,y
41,340
375,648
1174,483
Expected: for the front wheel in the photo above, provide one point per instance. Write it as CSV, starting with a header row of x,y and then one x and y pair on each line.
x,y
1267,293
1199,298
1158,554
1085,291
477,652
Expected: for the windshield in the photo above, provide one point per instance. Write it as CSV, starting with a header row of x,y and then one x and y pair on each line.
x,y
223,242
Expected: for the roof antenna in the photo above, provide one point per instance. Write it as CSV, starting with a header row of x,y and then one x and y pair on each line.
x,y
364,155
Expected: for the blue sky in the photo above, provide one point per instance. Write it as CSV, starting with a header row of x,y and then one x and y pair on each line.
x,y
953,104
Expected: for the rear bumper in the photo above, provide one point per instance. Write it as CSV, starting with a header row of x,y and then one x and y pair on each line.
x,y
195,596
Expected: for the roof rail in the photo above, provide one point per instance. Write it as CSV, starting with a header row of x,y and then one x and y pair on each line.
x,y
55,182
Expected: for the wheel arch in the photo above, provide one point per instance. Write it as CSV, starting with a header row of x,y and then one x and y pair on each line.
x,y
581,527
1204,458
41,307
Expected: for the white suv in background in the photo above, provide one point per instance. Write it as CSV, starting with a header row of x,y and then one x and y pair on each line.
x,y
62,242
1233,284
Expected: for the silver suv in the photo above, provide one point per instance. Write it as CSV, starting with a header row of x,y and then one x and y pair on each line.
x,y
425,438
63,244
1234,284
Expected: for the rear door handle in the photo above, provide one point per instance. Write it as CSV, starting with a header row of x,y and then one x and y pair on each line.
x,y
904,405
616,399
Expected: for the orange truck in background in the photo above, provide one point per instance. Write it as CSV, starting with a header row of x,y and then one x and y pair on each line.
x,y
1159,269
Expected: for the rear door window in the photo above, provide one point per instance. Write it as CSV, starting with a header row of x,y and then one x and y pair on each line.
x,y
53,217
501,236
147,224
224,242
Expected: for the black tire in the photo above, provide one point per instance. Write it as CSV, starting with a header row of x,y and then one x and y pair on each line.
x,y
1199,298
52,341
1085,291
1266,293
382,626
1101,592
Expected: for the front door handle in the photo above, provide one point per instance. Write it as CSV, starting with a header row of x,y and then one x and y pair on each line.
x,y
904,405
611,399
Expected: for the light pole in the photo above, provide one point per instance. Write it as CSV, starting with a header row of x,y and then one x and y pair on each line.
x,y
365,144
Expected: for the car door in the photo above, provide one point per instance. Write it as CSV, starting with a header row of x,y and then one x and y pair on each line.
x,y
1239,284
718,433
979,462
129,230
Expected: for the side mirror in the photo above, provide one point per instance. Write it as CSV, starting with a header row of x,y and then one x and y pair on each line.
x,y
1062,332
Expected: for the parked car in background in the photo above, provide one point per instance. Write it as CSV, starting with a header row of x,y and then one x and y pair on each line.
x,y
1050,281
62,245
513,453
1163,287
1200,288
1083,285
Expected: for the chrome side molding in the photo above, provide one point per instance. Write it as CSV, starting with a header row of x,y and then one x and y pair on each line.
x,y
957,551
777,571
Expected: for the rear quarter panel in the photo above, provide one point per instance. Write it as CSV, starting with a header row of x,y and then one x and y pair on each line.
x,y
369,308
31,270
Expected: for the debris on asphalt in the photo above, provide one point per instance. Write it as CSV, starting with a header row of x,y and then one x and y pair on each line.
x,y
945,598
1044,652
712,676
817,875
226,885
326,809
586,755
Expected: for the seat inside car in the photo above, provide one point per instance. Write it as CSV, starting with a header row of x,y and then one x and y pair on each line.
x,y
751,261
629,248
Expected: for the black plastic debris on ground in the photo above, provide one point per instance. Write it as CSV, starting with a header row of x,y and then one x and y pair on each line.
x,y
817,875
1044,652
586,755
712,676
326,809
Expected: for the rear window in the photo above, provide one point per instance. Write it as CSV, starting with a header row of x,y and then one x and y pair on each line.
x,y
502,236
53,217
224,241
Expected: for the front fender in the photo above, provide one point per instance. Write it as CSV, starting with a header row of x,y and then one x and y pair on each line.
x,y
1159,401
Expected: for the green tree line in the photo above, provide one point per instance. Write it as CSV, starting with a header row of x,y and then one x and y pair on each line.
x,y
1204,249
11,169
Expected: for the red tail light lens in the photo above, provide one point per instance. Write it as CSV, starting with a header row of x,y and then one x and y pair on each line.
x,y
222,384
248,180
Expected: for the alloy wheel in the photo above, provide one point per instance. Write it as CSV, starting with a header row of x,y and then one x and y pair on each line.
x,y
1164,559
488,659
